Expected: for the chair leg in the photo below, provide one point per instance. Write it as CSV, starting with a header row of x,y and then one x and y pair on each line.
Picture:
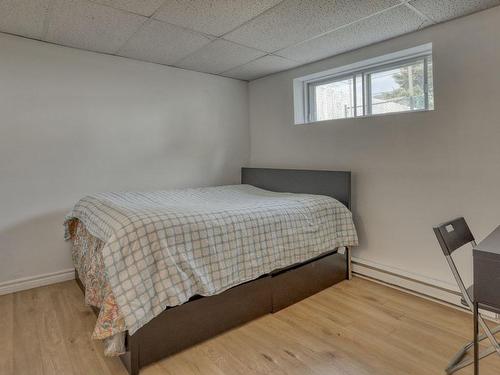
x,y
489,333
456,363
460,365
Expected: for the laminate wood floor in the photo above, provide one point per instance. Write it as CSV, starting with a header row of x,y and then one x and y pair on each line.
x,y
356,327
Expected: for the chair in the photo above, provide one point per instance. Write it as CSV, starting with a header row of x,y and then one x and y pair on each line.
x,y
451,236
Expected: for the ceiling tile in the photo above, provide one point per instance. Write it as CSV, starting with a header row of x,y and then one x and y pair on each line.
x,y
143,7
219,56
386,25
294,21
261,67
215,17
86,25
162,43
23,17
443,10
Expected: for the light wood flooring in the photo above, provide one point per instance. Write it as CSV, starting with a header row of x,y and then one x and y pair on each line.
x,y
357,327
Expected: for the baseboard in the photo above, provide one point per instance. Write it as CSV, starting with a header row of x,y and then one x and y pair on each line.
x,y
423,285
36,281
433,289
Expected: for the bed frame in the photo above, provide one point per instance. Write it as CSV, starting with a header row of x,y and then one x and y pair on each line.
x,y
201,318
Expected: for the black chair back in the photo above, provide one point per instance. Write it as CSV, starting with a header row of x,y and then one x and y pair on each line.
x,y
453,234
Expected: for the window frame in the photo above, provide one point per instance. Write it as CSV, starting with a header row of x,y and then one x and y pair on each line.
x,y
304,95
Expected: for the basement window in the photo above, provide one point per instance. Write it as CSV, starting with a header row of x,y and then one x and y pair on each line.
x,y
397,82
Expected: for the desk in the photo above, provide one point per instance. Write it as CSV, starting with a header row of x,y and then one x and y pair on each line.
x,y
486,257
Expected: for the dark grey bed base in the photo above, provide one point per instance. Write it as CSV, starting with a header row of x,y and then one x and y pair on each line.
x,y
201,318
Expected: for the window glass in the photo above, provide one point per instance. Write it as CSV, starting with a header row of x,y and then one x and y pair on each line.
x,y
398,89
430,83
334,100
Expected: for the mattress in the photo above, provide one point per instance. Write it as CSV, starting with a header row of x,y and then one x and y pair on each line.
x,y
138,253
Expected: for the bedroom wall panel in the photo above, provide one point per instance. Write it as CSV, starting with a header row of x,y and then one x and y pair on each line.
x,y
409,171
75,122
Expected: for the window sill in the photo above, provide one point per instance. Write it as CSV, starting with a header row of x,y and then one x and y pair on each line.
x,y
365,116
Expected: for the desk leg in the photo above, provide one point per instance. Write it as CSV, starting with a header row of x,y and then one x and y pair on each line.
x,y
476,343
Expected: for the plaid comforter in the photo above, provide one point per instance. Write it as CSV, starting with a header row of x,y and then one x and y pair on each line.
x,y
161,248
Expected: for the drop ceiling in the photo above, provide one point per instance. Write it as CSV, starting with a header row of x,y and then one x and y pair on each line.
x,y
240,39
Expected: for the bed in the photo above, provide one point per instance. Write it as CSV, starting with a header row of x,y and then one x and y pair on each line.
x,y
166,270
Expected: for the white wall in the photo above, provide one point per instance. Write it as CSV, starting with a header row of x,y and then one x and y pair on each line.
x,y
410,171
75,122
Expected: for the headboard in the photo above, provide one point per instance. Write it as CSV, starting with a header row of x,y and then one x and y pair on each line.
x,y
331,183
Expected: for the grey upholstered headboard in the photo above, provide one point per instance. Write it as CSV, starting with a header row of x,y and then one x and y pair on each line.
x,y
335,184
